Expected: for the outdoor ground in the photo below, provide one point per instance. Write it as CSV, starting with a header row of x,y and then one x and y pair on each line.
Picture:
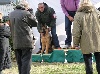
x,y
53,68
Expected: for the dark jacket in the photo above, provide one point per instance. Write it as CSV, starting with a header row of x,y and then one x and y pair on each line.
x,y
5,57
46,17
20,22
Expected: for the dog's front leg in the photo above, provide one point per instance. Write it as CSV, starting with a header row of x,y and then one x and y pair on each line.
x,y
47,48
43,48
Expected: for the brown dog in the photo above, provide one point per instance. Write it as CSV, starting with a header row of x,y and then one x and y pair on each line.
x,y
45,40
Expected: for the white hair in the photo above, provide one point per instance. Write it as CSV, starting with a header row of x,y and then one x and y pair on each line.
x,y
85,3
24,4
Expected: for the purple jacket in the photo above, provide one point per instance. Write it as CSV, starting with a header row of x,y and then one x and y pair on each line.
x,y
70,5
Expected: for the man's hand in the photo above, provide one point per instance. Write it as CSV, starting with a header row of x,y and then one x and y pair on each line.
x,y
71,18
76,47
54,16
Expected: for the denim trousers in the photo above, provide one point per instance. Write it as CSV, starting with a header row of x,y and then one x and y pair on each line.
x,y
88,62
54,36
68,24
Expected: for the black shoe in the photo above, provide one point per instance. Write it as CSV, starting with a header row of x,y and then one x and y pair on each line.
x,y
38,52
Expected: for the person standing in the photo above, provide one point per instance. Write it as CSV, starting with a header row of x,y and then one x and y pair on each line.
x,y
5,50
20,22
69,8
86,34
45,15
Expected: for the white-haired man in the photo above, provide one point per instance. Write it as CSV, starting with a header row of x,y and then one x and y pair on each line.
x,y
20,22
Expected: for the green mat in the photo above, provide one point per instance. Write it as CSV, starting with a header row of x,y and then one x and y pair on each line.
x,y
58,55
47,58
36,58
74,56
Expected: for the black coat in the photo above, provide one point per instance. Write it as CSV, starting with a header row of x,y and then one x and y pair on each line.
x,y
46,17
5,51
20,23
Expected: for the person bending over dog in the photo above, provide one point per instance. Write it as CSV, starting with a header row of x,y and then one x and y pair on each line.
x,y
46,15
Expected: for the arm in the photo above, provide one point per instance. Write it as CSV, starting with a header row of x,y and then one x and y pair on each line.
x,y
31,20
77,3
7,32
76,31
65,10
63,7
39,21
53,17
37,14
4,30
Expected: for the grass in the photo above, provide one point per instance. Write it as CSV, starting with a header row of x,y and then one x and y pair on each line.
x,y
53,68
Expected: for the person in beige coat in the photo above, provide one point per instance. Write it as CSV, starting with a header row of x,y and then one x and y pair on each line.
x,y
86,34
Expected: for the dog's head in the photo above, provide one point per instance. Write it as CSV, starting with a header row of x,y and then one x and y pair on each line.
x,y
45,30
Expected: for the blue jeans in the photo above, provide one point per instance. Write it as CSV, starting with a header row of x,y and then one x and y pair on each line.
x,y
54,37
88,62
68,24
